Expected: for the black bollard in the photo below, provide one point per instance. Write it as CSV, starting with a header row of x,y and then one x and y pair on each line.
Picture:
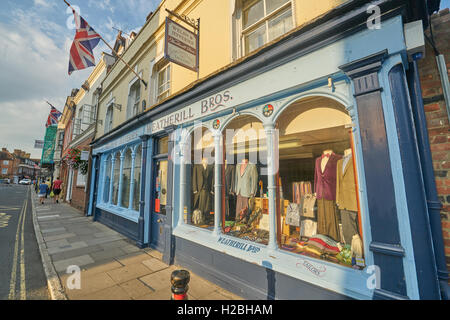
x,y
180,280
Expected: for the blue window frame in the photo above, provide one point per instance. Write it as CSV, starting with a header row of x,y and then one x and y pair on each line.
x,y
121,181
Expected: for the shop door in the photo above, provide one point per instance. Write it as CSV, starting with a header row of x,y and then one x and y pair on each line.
x,y
159,197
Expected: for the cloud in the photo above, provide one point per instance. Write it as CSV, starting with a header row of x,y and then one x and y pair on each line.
x,y
43,3
34,69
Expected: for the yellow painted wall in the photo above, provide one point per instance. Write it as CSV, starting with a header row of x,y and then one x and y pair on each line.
x,y
307,10
215,47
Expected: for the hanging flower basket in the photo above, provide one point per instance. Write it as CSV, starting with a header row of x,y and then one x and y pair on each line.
x,y
73,160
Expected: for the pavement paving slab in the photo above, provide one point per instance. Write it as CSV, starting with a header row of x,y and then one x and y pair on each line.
x,y
112,266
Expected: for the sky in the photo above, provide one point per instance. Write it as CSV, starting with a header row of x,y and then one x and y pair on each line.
x,y
34,56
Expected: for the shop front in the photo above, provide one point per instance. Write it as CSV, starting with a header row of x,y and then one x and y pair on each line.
x,y
293,174
289,181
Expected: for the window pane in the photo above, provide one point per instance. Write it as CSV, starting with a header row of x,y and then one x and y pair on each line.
x,y
107,180
253,13
126,175
163,145
161,187
137,179
116,177
199,173
317,201
255,39
271,5
246,207
280,24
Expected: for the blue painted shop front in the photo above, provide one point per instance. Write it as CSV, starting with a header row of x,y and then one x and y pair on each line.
x,y
347,95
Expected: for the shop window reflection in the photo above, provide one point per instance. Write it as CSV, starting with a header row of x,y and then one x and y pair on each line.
x,y
317,203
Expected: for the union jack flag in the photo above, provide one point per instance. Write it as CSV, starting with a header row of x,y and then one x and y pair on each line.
x,y
86,39
53,117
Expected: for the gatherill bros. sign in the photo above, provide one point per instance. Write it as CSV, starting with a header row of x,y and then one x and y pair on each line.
x,y
219,101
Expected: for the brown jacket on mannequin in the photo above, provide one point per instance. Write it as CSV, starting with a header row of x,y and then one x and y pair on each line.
x,y
345,186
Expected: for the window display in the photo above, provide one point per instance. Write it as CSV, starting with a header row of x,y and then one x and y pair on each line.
x,y
244,175
318,212
200,179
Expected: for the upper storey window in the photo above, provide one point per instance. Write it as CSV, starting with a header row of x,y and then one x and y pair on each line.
x,y
263,21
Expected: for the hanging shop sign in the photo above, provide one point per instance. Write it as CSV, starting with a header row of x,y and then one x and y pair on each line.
x,y
181,45
49,145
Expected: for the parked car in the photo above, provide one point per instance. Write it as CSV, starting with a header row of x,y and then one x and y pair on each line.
x,y
5,181
25,181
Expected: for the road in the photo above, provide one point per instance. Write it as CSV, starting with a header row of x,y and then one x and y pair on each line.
x,y
22,275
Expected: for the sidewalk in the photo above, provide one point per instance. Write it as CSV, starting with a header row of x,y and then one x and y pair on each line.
x,y
112,267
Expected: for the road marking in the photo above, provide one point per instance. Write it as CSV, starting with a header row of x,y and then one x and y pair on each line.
x,y
4,219
23,288
20,227
12,284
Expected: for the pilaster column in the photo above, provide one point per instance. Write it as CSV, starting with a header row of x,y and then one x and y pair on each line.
x,y
271,184
217,181
141,220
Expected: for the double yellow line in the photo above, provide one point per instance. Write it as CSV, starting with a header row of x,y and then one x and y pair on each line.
x,y
19,236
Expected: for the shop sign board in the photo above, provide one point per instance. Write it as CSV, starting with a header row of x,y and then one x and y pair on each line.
x,y
181,45
49,145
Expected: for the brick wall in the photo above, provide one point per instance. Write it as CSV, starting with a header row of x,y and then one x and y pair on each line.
x,y
78,194
437,119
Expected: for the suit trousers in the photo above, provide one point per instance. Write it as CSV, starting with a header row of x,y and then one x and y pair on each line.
x,y
349,225
327,219
241,203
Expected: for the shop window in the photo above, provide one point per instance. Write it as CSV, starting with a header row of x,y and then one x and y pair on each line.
x,y
199,171
126,182
134,98
163,90
317,203
263,21
137,179
245,201
116,179
107,179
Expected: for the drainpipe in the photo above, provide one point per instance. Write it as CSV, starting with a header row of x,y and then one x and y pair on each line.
x,y
434,205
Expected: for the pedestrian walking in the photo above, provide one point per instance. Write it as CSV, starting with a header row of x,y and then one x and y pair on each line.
x,y
57,189
43,189
49,187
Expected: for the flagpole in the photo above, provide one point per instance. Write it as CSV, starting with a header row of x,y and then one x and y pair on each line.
x,y
113,51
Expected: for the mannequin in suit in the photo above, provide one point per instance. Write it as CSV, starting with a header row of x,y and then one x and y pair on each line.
x,y
325,189
346,196
202,187
246,184
230,198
